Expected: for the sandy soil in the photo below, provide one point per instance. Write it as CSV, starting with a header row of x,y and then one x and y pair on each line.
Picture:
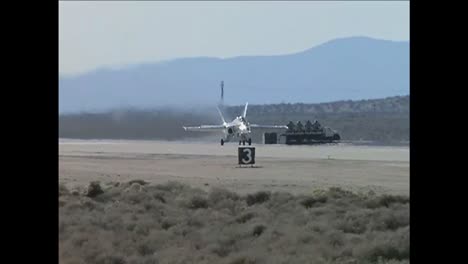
x,y
296,169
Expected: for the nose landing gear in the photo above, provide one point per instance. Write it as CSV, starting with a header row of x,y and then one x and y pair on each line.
x,y
222,142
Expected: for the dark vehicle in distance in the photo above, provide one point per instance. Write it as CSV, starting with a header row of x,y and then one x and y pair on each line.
x,y
310,133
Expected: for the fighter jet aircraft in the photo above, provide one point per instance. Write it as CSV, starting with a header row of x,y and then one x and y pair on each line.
x,y
239,128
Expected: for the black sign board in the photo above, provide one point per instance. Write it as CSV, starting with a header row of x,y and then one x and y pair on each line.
x,y
246,155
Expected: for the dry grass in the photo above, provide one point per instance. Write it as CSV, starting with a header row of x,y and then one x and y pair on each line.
x,y
173,223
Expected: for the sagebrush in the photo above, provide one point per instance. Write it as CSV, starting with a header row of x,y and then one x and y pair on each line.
x,y
174,223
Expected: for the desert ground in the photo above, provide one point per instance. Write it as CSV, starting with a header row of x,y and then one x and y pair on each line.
x,y
156,202
293,169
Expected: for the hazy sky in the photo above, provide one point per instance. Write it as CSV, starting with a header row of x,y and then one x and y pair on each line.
x,y
112,34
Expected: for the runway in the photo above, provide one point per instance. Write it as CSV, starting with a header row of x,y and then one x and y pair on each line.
x,y
296,169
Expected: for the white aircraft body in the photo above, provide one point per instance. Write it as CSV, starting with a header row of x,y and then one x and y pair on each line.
x,y
239,128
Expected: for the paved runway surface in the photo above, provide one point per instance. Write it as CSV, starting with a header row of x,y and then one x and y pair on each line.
x,y
296,169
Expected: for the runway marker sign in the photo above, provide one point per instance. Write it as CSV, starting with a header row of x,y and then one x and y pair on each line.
x,y
246,155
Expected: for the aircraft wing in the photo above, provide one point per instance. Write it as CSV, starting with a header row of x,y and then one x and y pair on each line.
x,y
204,128
268,126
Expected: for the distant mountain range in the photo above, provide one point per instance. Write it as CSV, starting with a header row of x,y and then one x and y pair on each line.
x,y
342,69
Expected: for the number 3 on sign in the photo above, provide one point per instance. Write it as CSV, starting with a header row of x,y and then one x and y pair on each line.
x,y
246,155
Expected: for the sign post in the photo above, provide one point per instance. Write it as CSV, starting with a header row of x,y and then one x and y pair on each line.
x,y
246,155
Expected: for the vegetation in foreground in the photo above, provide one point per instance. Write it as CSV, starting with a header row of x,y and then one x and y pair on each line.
x,y
135,222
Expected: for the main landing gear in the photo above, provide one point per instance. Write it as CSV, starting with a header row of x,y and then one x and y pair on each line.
x,y
243,142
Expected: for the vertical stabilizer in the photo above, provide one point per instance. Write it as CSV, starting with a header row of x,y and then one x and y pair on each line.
x,y
222,93
221,115
245,110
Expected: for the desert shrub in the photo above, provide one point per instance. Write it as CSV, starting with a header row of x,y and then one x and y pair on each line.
x,y
148,205
135,197
355,222
385,252
335,238
391,219
219,194
109,259
243,260
139,259
135,187
149,260
317,228
229,206
76,191
258,230
258,197
62,203
197,202
151,223
392,261
171,186
109,195
142,230
195,222
386,246
130,227
312,201
167,223
63,190
386,201
221,250
144,249
94,189
372,203
337,193
245,217
280,202
114,184
88,204
305,238
354,226
394,222
79,240
159,196
223,244
220,199
140,182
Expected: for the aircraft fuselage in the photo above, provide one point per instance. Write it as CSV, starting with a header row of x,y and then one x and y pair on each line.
x,y
237,129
